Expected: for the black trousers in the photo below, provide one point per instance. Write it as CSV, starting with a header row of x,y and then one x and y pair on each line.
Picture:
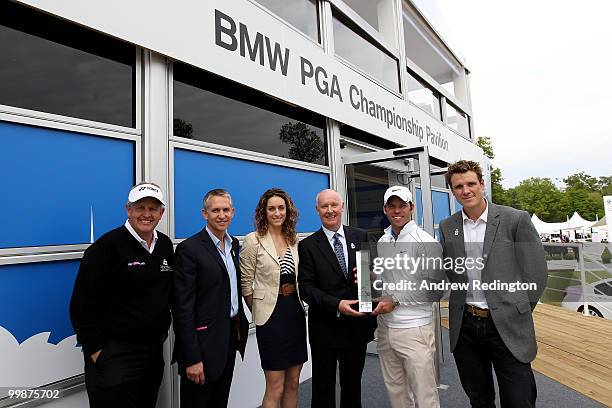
x,y
213,394
125,375
478,348
350,361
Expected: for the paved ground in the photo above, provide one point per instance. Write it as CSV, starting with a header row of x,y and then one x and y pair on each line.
x,y
551,394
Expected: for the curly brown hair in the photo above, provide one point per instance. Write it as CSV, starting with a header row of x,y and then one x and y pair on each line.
x,y
463,166
261,220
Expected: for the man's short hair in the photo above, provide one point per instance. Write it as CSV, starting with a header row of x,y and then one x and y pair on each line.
x,y
463,166
217,192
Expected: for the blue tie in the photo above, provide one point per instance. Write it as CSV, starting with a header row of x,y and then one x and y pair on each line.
x,y
340,254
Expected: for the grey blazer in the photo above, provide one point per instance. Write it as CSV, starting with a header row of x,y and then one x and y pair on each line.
x,y
513,252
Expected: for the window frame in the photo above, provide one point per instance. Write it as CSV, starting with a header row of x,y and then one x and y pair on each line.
x,y
354,22
467,136
223,150
319,42
92,125
426,85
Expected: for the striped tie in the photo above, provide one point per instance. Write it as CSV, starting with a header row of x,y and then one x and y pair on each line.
x,y
340,254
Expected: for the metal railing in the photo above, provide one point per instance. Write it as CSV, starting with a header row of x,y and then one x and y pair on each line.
x,y
579,277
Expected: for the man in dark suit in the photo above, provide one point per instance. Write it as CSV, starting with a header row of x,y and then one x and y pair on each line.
x,y
337,333
492,327
209,321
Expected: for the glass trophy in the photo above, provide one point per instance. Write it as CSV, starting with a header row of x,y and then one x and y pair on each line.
x,y
364,283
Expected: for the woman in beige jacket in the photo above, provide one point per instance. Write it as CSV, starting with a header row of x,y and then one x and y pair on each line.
x,y
269,265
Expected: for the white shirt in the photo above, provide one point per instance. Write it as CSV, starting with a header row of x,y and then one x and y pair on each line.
x,y
341,237
473,238
139,239
413,241
228,260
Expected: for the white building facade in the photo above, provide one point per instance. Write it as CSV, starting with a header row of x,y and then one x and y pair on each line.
x,y
244,95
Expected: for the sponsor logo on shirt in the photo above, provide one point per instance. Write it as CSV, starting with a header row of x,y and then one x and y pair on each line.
x,y
164,267
136,263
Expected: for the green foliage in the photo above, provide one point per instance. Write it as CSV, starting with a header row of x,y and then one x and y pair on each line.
x,y
587,203
484,142
582,193
498,193
604,184
569,256
557,257
581,181
538,196
606,256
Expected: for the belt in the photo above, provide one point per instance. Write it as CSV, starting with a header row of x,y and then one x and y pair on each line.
x,y
286,289
476,311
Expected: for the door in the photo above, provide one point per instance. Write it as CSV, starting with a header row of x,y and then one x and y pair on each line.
x,y
368,175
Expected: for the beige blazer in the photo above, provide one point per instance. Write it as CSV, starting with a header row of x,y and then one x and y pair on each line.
x,y
260,274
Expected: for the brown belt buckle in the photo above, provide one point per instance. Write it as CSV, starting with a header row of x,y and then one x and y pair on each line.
x,y
286,289
475,311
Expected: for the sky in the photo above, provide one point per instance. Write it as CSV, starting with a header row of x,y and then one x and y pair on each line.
x,y
541,81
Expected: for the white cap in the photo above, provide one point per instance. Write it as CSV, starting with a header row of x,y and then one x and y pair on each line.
x,y
402,192
141,191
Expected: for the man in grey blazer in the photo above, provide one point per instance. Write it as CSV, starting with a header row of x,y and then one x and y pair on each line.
x,y
497,246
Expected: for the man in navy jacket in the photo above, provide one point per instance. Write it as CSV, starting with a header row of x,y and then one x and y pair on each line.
x,y
209,320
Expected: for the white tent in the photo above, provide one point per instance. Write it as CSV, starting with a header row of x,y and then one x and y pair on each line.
x,y
569,228
547,227
600,230
577,222
600,223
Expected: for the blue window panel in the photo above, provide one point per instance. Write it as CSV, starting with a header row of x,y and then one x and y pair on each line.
x,y
458,206
419,205
51,179
441,206
35,298
196,173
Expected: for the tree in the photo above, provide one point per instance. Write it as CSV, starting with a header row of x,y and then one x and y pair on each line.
x,y
183,128
584,193
587,203
604,184
581,181
306,145
498,193
538,196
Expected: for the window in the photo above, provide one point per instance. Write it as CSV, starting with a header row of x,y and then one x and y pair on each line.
x,y
425,49
53,66
378,14
604,288
457,120
361,136
355,48
302,14
422,96
216,110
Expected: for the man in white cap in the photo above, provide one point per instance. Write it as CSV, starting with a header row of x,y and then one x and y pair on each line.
x,y
120,306
406,342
